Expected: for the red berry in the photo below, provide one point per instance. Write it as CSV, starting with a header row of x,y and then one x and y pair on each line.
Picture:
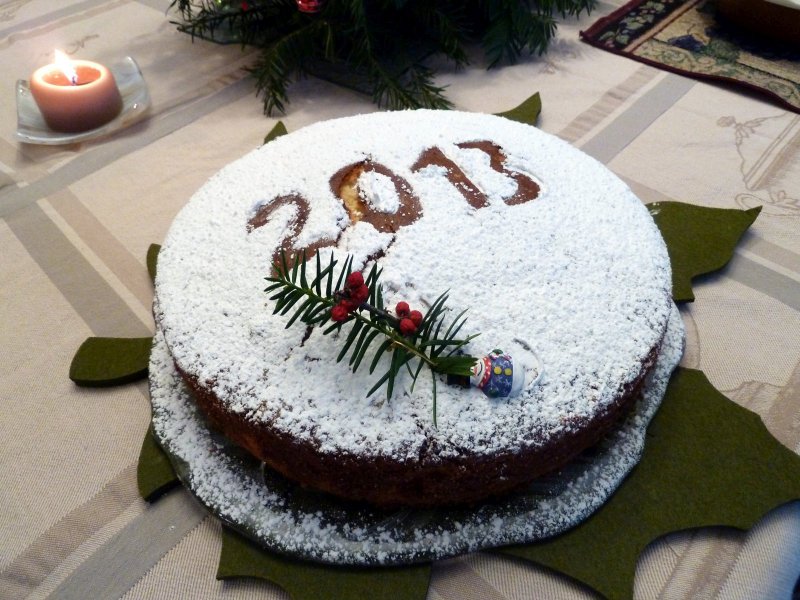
x,y
360,294
354,281
407,327
416,317
349,304
339,313
402,310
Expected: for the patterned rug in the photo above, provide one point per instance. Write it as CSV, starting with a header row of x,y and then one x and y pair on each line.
x,y
689,38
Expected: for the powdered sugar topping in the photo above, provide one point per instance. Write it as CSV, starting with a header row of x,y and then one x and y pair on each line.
x,y
379,192
580,273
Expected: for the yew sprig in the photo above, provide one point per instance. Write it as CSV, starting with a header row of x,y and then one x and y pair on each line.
x,y
352,307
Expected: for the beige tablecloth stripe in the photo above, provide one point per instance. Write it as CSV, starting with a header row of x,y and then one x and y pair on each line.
x,y
56,19
30,568
120,563
188,571
759,277
784,414
701,570
456,580
89,294
645,193
637,117
162,5
129,269
772,252
27,170
609,102
767,544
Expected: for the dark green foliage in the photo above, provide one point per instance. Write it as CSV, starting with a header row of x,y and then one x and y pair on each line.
x,y
375,46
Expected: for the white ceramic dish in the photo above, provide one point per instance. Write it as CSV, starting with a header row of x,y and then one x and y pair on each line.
x,y
32,129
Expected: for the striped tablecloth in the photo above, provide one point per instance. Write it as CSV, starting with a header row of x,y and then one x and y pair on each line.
x,y
76,221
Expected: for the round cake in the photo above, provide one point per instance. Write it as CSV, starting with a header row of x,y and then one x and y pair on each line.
x,y
549,253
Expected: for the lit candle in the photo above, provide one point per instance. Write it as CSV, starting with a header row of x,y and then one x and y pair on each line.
x,y
75,95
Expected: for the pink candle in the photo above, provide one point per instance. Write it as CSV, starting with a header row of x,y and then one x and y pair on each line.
x,y
75,95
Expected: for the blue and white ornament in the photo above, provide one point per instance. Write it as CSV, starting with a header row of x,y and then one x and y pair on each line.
x,y
498,375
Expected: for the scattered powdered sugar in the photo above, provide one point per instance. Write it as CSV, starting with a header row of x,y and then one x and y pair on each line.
x,y
284,518
378,191
580,274
477,164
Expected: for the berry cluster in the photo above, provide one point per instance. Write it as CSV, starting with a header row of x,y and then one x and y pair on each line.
x,y
407,338
355,293
410,320
354,296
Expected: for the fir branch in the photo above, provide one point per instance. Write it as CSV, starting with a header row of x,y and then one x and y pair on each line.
x,y
413,89
447,27
372,329
379,47
280,61
514,28
225,24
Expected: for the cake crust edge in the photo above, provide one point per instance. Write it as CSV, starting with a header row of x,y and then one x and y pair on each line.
x,y
427,481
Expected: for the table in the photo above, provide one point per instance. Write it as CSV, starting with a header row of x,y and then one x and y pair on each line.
x,y
77,221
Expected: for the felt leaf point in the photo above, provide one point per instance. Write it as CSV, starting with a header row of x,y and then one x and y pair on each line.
x,y
699,239
107,361
707,462
527,112
152,260
304,580
276,132
154,473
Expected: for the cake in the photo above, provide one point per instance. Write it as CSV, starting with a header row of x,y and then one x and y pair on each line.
x,y
550,254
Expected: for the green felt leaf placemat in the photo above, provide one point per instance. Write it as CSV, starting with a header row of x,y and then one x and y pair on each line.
x,y
707,461
275,132
308,581
699,239
106,361
152,260
154,473
527,112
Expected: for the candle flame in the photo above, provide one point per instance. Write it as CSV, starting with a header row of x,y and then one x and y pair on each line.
x,y
65,64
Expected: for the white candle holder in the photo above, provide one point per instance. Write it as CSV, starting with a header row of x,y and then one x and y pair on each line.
x,y
33,129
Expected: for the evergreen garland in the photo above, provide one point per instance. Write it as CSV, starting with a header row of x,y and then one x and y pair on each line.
x,y
376,46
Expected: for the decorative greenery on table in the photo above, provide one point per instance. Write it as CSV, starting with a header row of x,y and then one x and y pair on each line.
x,y
379,47
702,451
